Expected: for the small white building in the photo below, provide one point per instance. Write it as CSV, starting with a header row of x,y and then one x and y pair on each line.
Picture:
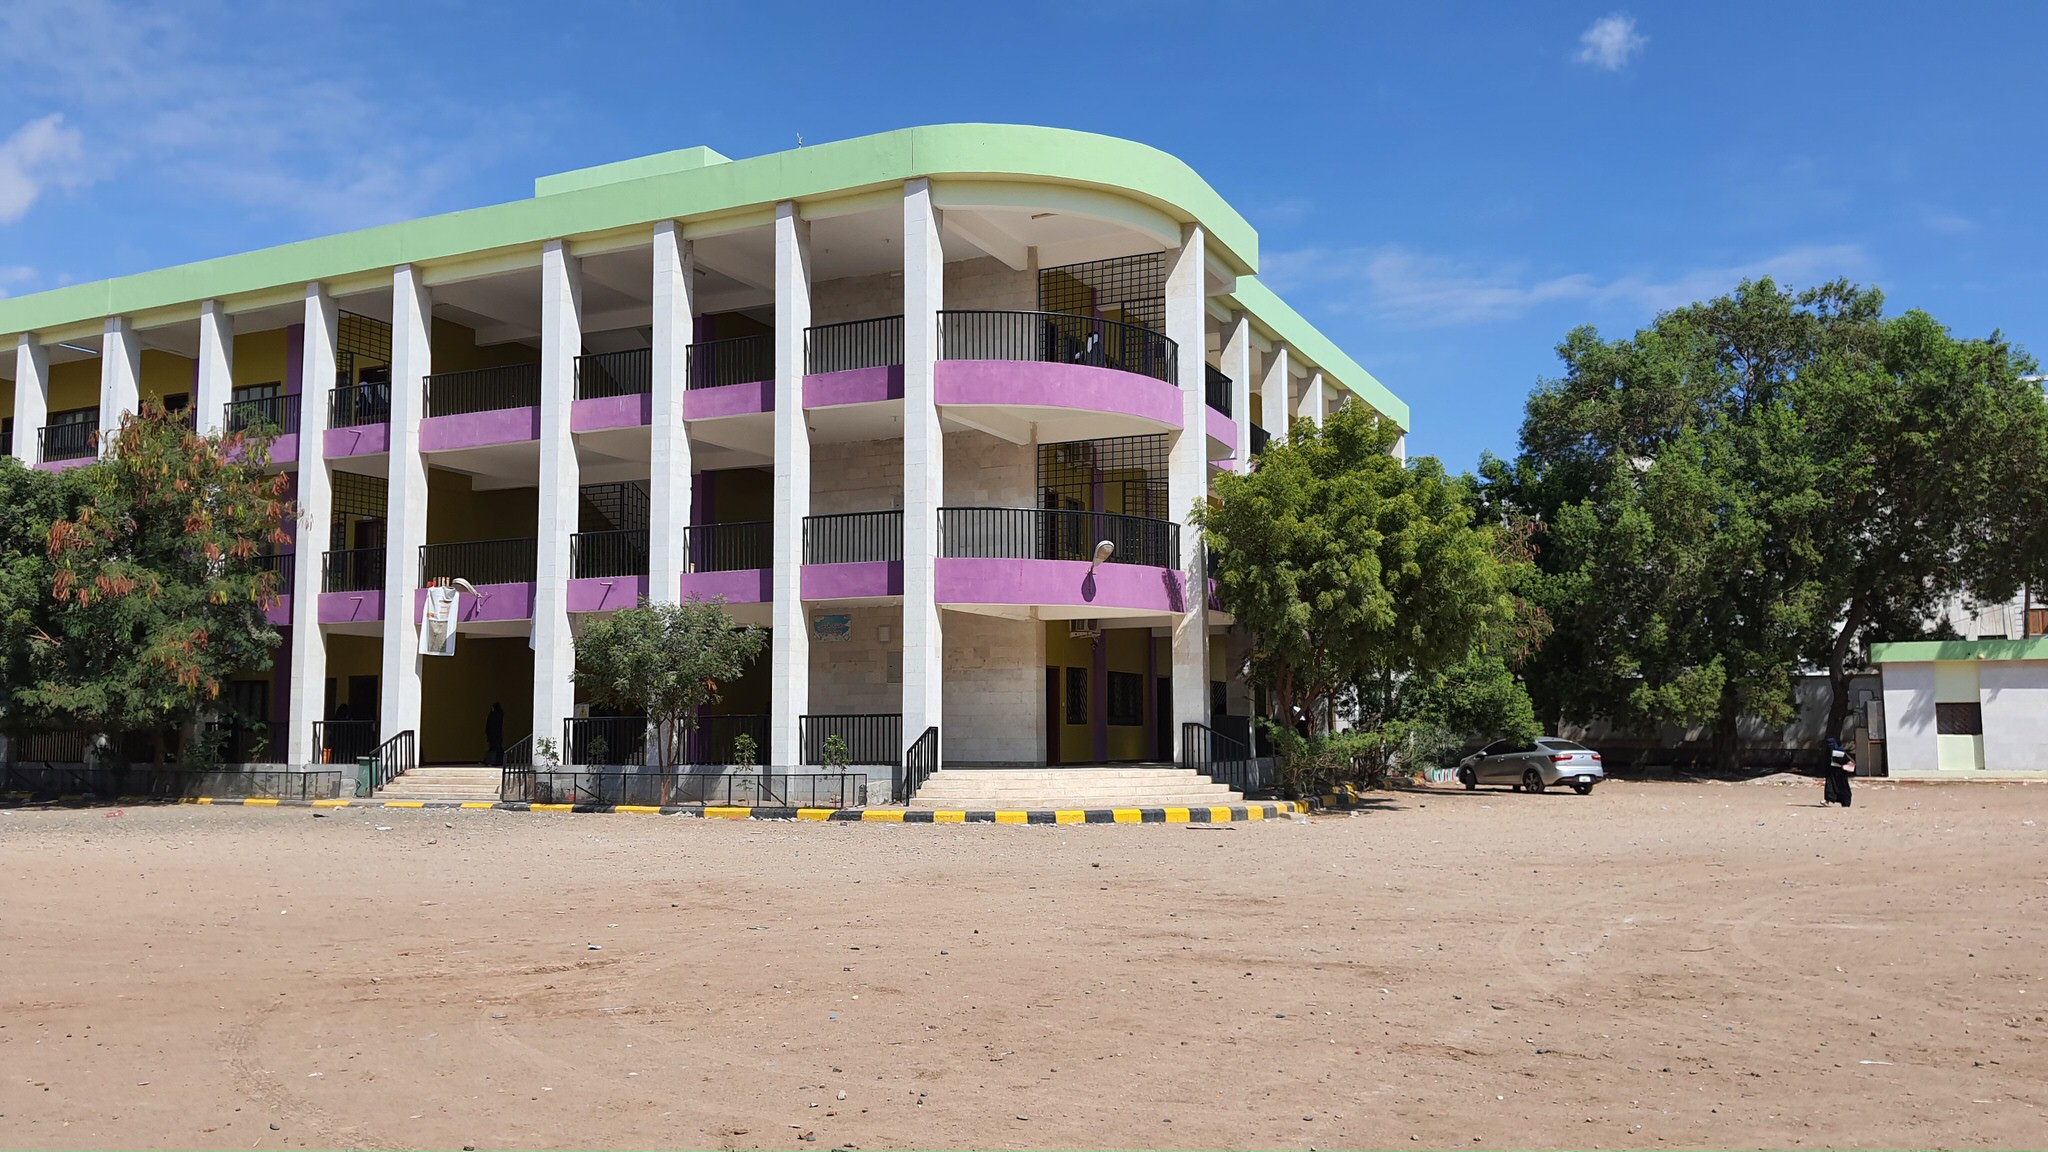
x,y
1974,709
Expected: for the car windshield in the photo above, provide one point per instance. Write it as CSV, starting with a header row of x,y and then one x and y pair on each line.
x,y
1564,745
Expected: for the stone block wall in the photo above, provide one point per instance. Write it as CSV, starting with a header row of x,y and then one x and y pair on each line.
x,y
995,690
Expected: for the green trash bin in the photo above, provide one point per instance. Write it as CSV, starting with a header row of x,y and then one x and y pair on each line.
x,y
366,775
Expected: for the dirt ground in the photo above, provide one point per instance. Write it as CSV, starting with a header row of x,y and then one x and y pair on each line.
x,y
1659,964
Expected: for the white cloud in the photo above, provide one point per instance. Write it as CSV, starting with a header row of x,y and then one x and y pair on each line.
x,y
1944,223
1611,42
14,275
311,136
39,154
1398,286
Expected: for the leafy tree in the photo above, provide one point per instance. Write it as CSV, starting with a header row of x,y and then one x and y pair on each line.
x,y
30,501
1348,568
157,587
664,661
1762,484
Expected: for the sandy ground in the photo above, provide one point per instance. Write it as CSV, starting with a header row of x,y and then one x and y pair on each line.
x,y
1656,965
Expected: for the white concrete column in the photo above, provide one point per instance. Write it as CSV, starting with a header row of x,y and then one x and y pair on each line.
x,y
1315,399
924,463
561,341
1187,476
790,659
412,320
1237,364
216,368
316,517
668,494
31,396
1400,450
1276,407
120,377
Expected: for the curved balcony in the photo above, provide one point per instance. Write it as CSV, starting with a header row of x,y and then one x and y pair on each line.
x,y
1075,377
1044,558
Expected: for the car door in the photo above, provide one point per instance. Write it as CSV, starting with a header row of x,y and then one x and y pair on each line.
x,y
1482,765
1512,761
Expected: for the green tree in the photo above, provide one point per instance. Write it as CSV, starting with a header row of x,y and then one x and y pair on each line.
x,y
1762,484
1348,568
157,584
30,501
664,661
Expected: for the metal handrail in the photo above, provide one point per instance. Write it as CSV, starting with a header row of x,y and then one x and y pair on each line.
x,y
683,789
354,405
734,547
871,738
711,741
872,343
282,564
395,757
1217,389
480,561
618,553
853,537
1056,534
604,740
483,390
601,374
520,753
344,741
920,760
352,570
1057,338
1260,439
1221,758
739,360
279,412
75,440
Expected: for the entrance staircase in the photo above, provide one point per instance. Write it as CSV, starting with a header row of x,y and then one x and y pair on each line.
x,y
1080,786
444,782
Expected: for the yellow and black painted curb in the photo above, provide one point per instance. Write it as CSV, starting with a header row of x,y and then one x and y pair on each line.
x,y
1216,814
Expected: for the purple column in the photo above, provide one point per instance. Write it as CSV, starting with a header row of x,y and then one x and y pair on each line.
x,y
294,357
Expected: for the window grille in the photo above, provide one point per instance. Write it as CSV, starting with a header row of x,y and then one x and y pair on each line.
x,y
1126,476
1077,696
357,519
1959,719
362,344
1129,288
1126,699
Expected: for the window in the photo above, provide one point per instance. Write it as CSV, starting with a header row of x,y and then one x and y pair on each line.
x,y
1077,695
1219,698
1126,699
1959,719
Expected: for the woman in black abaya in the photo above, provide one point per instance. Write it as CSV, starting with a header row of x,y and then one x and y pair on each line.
x,y
1840,768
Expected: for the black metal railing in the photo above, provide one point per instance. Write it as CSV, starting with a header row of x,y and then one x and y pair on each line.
x,y
593,554
730,547
519,754
395,757
352,570
174,782
480,561
483,390
603,374
740,360
344,741
853,537
280,413
49,747
1217,388
872,343
711,741
354,405
920,760
604,740
1057,338
1260,438
74,441
684,789
286,567
1227,761
870,738
1055,534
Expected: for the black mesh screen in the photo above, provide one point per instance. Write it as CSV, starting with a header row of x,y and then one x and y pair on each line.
x,y
1130,288
1126,476
361,343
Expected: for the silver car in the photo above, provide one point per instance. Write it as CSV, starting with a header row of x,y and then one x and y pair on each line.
x,y
1533,766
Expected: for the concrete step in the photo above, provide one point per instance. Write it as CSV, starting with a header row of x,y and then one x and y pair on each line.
x,y
444,782
1069,803
1070,788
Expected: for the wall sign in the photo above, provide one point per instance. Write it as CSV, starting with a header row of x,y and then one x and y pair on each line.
x,y
832,627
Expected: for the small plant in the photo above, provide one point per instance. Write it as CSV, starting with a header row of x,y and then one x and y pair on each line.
x,y
597,749
836,753
745,753
545,751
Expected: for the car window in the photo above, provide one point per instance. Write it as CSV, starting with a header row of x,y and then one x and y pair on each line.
x,y
1495,748
1563,745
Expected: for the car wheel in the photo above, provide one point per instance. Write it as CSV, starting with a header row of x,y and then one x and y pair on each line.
x,y
1468,778
1583,789
1532,781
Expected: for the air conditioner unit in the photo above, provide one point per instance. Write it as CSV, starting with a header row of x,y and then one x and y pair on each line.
x,y
1083,629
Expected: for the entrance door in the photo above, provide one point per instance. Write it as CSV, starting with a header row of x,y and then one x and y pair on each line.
x,y
1163,718
362,699
1052,716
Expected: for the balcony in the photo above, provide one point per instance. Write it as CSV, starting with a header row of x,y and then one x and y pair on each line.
x,y
733,377
1216,389
594,555
75,439
355,405
480,561
730,560
1260,438
613,390
1046,557
853,555
858,362
483,407
1054,375
280,612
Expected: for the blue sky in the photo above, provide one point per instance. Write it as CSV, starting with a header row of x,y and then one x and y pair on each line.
x,y
1445,189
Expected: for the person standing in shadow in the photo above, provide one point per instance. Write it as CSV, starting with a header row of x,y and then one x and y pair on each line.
x,y
494,736
1840,767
